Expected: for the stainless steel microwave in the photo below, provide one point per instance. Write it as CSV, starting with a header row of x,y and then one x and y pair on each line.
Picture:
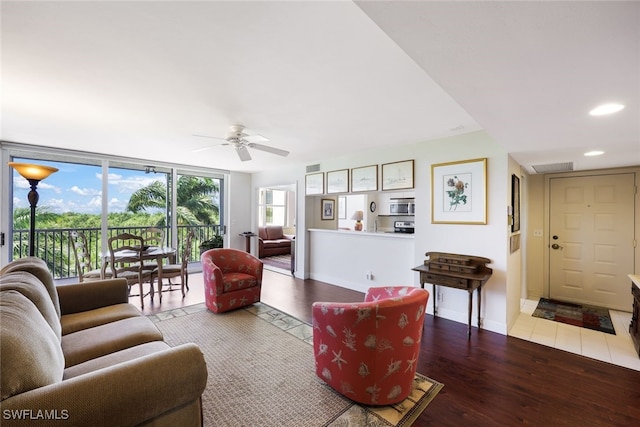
x,y
402,207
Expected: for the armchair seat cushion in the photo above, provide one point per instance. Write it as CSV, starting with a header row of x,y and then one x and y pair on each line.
x,y
237,281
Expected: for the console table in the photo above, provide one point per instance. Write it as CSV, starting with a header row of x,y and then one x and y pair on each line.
x,y
634,327
455,271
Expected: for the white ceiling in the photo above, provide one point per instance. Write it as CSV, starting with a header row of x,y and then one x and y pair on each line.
x,y
321,79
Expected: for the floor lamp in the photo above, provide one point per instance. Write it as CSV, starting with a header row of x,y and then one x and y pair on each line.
x,y
34,174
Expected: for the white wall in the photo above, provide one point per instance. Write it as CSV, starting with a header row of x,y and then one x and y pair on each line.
x,y
238,215
490,241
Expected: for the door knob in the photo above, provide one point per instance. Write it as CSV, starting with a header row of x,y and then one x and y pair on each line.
x,y
556,246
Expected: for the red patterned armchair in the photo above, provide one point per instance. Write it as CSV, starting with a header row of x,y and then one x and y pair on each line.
x,y
232,279
369,351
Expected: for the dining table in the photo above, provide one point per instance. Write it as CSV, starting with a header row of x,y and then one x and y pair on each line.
x,y
157,253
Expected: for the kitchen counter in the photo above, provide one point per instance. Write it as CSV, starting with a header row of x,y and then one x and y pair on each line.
x,y
359,260
365,233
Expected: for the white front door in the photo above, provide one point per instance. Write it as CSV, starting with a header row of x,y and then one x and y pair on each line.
x,y
591,229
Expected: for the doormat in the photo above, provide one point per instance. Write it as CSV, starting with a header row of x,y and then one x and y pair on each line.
x,y
584,316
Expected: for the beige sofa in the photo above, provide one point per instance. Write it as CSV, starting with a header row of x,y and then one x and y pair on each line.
x,y
79,355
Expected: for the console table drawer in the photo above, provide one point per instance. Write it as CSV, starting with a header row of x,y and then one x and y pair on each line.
x,y
438,279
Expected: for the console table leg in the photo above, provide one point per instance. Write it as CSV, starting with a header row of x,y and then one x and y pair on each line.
x,y
435,297
470,307
479,299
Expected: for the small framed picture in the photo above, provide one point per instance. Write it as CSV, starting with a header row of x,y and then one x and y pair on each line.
x,y
364,178
328,209
314,183
338,181
342,207
397,176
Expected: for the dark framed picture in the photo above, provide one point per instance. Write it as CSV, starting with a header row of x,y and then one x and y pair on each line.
x,y
328,209
515,203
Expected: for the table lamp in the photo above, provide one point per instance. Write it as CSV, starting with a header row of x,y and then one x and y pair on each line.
x,y
358,215
34,174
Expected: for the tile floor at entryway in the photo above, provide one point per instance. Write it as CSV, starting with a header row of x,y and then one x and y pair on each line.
x,y
617,349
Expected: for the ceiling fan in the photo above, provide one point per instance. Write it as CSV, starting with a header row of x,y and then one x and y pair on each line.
x,y
241,141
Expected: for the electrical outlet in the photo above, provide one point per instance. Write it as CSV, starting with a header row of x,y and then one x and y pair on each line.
x,y
440,296
537,233
369,275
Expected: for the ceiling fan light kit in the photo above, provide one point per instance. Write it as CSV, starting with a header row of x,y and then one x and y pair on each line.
x,y
242,141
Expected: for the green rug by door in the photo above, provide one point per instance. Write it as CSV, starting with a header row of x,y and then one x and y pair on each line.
x,y
584,316
261,372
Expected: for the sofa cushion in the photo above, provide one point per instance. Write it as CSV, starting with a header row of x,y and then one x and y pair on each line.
x,y
75,322
31,287
94,342
115,358
38,268
31,355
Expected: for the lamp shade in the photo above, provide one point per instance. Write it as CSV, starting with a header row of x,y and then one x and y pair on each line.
x,y
358,215
30,171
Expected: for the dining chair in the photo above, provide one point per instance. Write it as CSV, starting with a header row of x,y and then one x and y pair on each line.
x,y
83,259
126,255
152,236
170,271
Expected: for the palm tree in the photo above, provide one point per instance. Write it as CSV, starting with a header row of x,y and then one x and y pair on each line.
x,y
195,204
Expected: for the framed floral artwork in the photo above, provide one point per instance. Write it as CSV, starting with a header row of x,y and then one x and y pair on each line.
x,y
459,192
314,183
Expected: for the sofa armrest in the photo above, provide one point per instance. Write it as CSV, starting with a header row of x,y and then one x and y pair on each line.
x,y
89,296
128,393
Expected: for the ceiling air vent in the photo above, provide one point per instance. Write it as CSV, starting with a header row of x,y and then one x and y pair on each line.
x,y
313,168
553,167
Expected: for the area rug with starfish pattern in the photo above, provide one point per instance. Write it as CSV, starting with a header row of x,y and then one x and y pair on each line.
x,y
261,372
584,316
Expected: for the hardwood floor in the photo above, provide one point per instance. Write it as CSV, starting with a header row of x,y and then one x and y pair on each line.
x,y
489,380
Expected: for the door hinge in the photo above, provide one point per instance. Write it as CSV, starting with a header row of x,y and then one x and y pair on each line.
x,y
2,238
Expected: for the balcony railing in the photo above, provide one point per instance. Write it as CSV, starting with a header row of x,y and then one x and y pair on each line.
x,y
55,248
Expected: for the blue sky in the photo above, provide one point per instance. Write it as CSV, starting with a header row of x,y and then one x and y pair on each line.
x,y
78,188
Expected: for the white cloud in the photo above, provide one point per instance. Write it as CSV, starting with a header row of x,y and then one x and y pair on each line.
x,y
84,191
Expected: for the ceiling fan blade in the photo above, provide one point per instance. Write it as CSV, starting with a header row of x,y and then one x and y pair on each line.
x,y
210,137
243,153
255,138
268,149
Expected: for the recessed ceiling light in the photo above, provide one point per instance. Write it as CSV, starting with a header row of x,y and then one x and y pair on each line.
x,y
604,109
593,153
